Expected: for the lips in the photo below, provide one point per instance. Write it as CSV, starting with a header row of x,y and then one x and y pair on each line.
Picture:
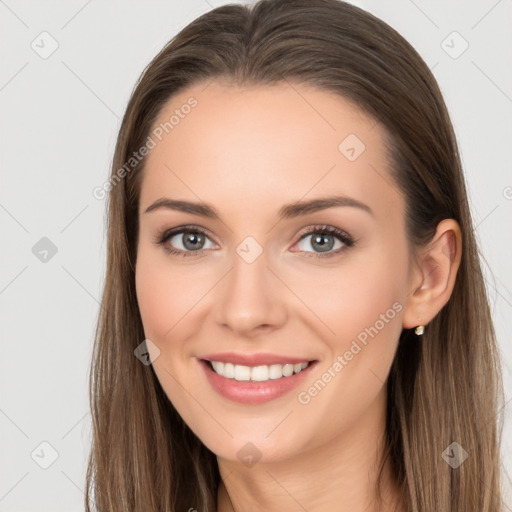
x,y
262,389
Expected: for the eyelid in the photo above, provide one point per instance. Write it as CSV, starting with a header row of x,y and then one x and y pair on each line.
x,y
325,228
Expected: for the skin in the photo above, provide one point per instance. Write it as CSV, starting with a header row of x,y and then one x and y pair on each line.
x,y
247,152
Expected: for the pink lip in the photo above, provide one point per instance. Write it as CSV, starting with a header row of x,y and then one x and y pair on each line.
x,y
249,392
254,359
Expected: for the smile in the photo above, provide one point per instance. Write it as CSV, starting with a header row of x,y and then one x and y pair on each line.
x,y
258,383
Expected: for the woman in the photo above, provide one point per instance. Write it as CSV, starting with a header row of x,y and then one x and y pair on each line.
x,y
294,315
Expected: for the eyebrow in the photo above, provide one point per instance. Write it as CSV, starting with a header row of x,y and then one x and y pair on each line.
x,y
288,211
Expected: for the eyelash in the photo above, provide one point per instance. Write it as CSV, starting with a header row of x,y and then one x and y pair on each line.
x,y
343,236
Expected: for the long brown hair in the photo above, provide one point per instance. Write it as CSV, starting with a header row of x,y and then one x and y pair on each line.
x,y
446,388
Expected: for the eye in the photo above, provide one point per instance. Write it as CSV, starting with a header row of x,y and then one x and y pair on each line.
x,y
191,240
184,241
324,239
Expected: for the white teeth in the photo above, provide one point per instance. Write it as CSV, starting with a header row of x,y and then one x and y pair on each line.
x,y
275,371
242,372
218,366
288,370
229,370
257,373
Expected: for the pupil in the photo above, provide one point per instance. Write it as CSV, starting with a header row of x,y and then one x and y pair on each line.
x,y
194,239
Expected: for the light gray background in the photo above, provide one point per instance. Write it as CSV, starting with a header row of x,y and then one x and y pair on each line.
x,y
60,117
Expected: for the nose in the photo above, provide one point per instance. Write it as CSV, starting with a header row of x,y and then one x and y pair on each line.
x,y
251,299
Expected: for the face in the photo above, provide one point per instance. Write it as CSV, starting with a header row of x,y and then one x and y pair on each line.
x,y
258,282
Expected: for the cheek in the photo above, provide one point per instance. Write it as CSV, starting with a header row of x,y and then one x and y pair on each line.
x,y
165,293
352,297
363,307
166,299
360,306
155,298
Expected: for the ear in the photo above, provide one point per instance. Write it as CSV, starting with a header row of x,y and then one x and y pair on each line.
x,y
433,276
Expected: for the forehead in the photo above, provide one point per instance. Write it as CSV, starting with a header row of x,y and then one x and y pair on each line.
x,y
275,142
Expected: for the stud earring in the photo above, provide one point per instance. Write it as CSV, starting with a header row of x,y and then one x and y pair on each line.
x,y
419,330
